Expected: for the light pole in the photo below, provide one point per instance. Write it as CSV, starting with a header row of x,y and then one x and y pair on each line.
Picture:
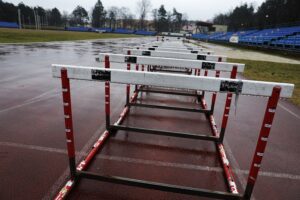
x,y
19,18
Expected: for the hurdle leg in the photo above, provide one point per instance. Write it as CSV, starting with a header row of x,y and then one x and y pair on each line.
x,y
227,107
205,74
128,85
137,69
107,96
68,121
214,96
262,141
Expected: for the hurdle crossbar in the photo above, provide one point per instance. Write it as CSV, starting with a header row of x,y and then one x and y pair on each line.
x,y
177,55
155,48
171,62
242,87
179,46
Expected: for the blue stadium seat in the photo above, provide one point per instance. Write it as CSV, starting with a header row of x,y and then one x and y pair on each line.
x,y
8,25
79,29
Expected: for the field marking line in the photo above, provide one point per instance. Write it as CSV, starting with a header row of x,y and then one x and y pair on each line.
x,y
289,111
288,176
38,98
59,183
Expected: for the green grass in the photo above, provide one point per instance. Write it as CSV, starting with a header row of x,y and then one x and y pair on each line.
x,y
27,35
271,71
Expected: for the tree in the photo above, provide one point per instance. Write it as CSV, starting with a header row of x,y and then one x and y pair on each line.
x,y
162,19
8,12
143,8
177,20
27,14
79,16
241,17
112,16
65,18
221,19
98,15
55,17
155,19
126,17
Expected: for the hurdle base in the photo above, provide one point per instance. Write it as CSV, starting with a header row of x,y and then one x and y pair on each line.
x,y
169,92
159,186
165,133
170,108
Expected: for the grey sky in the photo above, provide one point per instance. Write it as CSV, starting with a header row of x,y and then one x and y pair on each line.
x,y
196,9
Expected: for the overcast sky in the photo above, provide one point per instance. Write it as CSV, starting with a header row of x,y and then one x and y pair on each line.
x,y
195,9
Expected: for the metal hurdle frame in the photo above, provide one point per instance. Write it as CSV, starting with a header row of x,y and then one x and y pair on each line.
x,y
172,54
242,87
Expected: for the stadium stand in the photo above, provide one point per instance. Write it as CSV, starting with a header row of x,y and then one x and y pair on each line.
x,y
143,32
102,30
123,31
79,29
8,25
284,37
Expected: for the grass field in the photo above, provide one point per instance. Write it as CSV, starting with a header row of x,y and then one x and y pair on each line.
x,y
27,35
271,71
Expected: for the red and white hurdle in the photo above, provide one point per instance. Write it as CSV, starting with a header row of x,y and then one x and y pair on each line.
x,y
218,85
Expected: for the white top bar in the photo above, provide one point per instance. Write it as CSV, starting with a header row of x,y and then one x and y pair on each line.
x,y
243,87
172,54
171,62
170,46
175,49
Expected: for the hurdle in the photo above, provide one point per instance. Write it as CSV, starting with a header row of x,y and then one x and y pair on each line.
x,y
153,48
219,85
172,54
171,62
172,46
233,68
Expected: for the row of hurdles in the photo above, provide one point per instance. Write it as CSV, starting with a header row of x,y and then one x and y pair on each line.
x,y
169,68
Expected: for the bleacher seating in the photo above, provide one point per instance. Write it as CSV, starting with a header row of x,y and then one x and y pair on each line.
x,y
102,30
79,29
292,41
142,32
8,25
123,31
284,37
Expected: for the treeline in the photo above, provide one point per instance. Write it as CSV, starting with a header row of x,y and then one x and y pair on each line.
x,y
112,17
271,13
167,21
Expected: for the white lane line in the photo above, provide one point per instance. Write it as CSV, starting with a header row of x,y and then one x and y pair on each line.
x,y
38,99
235,165
289,111
288,176
28,102
59,183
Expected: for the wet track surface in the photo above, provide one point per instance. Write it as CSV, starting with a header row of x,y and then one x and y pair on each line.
x,y
33,161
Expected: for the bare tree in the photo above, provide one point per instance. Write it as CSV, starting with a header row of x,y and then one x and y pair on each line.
x,y
143,8
112,13
126,17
